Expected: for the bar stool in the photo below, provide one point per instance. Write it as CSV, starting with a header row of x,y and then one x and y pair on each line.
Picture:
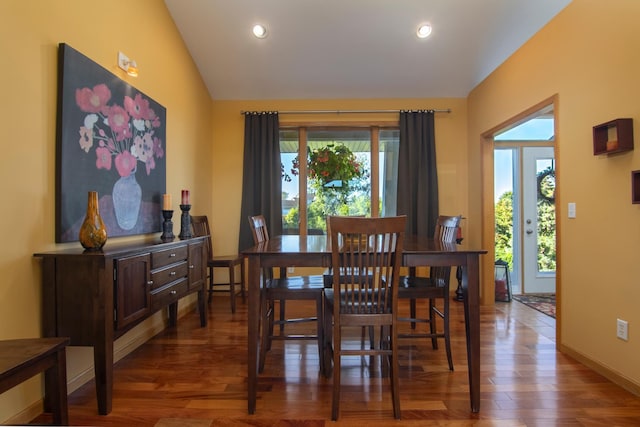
x,y
229,262
200,227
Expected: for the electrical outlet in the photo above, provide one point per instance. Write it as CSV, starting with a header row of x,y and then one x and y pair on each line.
x,y
290,269
622,331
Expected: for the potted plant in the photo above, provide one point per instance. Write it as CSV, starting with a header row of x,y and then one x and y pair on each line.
x,y
331,167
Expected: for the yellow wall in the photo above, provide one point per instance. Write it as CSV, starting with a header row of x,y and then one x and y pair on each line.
x,y
228,140
30,31
588,56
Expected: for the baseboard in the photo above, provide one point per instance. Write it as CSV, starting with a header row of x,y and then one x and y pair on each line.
x,y
26,415
613,376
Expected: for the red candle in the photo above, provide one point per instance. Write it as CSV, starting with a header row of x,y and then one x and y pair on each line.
x,y
185,197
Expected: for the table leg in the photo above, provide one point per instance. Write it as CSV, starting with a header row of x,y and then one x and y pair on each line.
x,y
471,293
103,367
253,320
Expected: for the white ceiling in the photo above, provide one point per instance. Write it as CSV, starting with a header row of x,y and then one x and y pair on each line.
x,y
353,48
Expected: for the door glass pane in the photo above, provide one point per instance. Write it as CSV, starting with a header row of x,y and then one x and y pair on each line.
x,y
504,207
546,213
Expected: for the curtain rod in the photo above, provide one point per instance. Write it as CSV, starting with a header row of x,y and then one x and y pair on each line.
x,y
447,110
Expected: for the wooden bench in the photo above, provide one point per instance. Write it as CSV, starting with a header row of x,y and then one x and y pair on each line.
x,y
21,359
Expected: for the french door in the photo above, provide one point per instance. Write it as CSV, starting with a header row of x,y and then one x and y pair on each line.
x,y
537,227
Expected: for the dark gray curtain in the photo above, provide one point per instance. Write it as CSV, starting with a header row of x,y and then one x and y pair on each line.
x,y
417,174
261,176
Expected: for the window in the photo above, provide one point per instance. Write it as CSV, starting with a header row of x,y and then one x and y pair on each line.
x,y
307,200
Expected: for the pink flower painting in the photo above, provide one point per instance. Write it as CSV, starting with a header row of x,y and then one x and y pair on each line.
x,y
123,135
110,139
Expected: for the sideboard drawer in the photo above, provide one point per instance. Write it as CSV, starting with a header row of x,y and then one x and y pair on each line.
x,y
169,274
168,256
169,294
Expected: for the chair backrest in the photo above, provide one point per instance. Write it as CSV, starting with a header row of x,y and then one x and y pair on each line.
x,y
366,254
199,228
446,231
261,234
258,229
447,228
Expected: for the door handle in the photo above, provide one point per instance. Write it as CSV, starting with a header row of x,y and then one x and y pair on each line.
x,y
529,231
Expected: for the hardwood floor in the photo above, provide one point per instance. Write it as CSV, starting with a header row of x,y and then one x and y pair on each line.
x,y
200,373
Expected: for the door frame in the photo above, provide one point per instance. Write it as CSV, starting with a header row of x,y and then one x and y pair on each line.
x,y
488,215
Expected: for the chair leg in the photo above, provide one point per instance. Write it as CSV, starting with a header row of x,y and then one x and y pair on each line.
x,y
412,312
242,281
395,386
385,344
320,332
210,285
232,287
265,342
282,315
328,345
447,336
337,347
270,321
432,324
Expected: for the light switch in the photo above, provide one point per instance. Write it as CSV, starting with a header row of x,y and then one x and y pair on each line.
x,y
572,210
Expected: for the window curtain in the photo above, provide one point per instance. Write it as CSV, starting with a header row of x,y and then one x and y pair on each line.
x,y
262,175
417,174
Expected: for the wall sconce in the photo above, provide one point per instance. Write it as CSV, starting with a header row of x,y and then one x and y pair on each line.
x,y
128,65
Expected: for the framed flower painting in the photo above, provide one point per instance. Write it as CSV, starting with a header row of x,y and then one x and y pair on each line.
x,y
110,139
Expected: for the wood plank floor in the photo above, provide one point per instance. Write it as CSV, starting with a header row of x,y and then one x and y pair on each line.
x,y
197,373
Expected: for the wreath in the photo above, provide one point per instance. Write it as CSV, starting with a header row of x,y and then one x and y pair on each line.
x,y
547,185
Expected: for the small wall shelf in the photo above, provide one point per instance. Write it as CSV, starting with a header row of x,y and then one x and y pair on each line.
x,y
611,137
635,187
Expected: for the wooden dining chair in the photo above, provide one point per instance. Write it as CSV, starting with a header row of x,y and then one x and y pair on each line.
x,y
366,255
200,227
284,289
435,287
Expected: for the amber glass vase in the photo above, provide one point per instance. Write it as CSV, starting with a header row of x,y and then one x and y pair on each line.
x,y
93,233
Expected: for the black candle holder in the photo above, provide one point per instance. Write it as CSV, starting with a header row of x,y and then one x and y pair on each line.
x,y
185,222
167,226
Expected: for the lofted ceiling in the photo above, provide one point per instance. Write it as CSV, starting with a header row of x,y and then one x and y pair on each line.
x,y
336,49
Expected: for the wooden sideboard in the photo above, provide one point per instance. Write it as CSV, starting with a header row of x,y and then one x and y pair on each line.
x,y
94,297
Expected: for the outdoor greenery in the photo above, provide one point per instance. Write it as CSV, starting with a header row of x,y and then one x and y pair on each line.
x,y
546,224
339,182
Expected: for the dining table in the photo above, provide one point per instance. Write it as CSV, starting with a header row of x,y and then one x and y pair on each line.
x,y
314,251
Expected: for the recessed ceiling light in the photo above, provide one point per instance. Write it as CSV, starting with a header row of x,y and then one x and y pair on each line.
x,y
259,31
423,31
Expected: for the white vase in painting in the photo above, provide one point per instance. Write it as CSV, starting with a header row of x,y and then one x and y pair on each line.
x,y
127,197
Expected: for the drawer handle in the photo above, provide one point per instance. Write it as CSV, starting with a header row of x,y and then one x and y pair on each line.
x,y
173,292
173,273
172,255
150,282
192,266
